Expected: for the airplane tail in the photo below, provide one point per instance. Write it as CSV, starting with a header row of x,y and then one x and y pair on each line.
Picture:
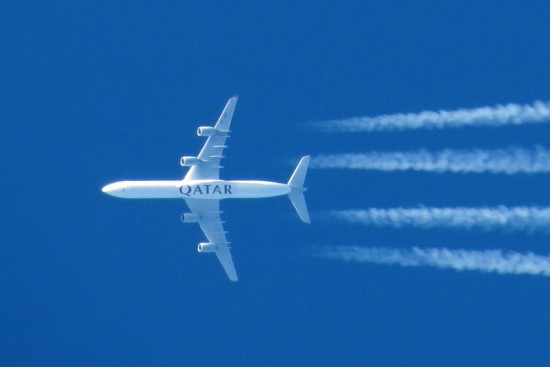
x,y
296,195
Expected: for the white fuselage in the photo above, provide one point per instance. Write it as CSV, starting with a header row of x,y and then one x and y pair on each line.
x,y
196,189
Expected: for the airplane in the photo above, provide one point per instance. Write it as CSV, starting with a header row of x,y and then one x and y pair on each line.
x,y
202,189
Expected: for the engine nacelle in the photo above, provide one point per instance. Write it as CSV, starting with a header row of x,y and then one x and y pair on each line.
x,y
190,218
188,161
207,247
206,131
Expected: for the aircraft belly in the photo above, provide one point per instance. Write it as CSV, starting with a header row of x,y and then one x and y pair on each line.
x,y
197,189
153,190
218,190
259,189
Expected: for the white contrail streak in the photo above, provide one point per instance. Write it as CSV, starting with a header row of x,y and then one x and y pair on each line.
x,y
509,114
528,219
509,161
491,261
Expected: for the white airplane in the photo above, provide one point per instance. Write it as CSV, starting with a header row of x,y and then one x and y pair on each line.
x,y
202,189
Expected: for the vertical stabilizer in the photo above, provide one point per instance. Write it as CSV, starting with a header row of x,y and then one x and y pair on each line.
x,y
296,195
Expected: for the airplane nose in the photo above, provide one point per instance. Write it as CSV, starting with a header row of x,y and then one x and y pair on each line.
x,y
107,189
113,189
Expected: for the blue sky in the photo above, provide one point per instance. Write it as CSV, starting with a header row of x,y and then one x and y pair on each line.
x,y
98,92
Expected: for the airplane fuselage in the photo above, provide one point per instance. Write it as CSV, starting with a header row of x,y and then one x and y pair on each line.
x,y
196,189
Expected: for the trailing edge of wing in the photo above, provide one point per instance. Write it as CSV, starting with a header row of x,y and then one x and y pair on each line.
x,y
212,152
212,226
227,262
224,121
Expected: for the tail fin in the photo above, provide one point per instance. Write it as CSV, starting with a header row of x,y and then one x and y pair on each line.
x,y
296,195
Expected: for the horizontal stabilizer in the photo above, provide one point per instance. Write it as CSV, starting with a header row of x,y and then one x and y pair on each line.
x,y
299,203
296,194
299,176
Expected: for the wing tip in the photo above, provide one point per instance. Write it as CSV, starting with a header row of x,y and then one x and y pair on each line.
x,y
235,97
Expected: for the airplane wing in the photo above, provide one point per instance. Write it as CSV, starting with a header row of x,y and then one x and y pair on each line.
x,y
209,169
212,151
211,224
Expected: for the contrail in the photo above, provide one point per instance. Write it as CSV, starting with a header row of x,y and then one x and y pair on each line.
x,y
521,218
508,161
499,115
491,261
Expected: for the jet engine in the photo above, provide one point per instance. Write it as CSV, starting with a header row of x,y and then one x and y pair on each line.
x,y
188,161
207,247
206,131
190,218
